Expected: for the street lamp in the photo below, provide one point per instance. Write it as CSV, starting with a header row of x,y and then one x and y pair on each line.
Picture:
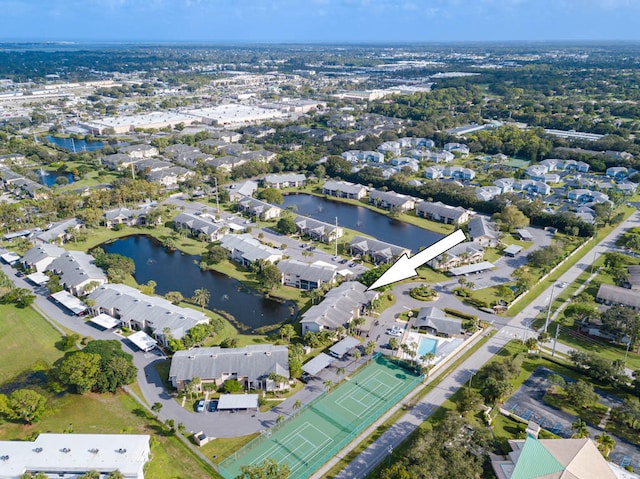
x,y
546,323
390,450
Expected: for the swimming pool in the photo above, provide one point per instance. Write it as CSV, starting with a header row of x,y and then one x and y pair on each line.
x,y
427,345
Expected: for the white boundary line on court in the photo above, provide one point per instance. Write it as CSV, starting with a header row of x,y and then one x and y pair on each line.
x,y
366,406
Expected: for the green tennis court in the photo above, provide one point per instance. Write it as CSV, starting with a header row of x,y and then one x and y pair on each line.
x,y
327,424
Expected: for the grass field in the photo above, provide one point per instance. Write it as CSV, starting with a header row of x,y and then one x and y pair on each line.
x,y
309,439
27,339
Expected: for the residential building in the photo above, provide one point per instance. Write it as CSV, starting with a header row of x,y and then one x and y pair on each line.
x,y
245,249
73,455
202,226
290,180
128,217
238,191
506,185
261,156
634,277
338,308
250,366
392,200
461,254
344,189
258,208
440,156
483,232
617,172
581,195
533,458
119,161
139,151
171,176
59,232
41,256
225,163
318,230
461,149
435,322
139,311
617,296
77,271
487,193
390,147
451,215
378,251
305,276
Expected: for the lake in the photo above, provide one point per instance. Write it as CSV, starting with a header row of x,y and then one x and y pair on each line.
x,y
175,271
75,146
48,178
362,219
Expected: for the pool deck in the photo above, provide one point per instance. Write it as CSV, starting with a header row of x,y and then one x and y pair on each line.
x,y
444,348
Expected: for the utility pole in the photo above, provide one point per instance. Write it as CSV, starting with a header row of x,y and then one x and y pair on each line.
x,y
546,323
555,340
336,234
215,180
133,172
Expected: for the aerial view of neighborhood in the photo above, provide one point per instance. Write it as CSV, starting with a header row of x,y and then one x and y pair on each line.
x,y
319,259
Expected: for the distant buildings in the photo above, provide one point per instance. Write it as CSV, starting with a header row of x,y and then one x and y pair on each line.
x,y
461,254
318,230
379,252
245,249
284,181
77,271
258,208
483,232
201,227
392,200
344,189
305,276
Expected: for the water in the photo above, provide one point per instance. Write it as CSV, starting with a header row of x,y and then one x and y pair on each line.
x,y
79,145
48,178
363,220
427,345
175,271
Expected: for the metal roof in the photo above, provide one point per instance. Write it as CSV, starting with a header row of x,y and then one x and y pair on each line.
x,y
105,321
317,364
344,346
143,341
238,401
471,268
70,302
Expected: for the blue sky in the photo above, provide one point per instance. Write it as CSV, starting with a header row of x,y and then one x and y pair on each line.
x,y
319,20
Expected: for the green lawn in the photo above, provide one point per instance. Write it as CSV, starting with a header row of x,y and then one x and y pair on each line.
x,y
26,338
593,414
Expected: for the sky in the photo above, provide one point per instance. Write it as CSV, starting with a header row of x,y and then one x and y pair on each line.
x,y
319,21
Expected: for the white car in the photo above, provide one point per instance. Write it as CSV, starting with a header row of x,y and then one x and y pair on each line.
x,y
394,332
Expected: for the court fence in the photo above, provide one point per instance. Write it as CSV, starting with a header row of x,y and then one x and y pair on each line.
x,y
351,429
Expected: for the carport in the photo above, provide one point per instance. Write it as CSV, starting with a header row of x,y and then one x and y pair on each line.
x,y
70,302
143,341
471,268
234,402
39,279
105,321
317,364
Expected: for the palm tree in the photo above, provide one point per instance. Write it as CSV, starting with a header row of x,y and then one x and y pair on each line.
x,y
297,405
605,443
287,331
369,348
340,372
201,297
327,384
427,358
340,332
356,355
581,429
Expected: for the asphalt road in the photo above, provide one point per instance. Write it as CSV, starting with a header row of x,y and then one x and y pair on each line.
x,y
509,328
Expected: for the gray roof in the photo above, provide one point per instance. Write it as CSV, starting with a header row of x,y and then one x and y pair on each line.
x,y
75,268
312,225
435,318
139,147
305,271
379,248
154,311
58,229
344,346
113,161
390,197
634,275
38,253
253,362
229,161
152,164
344,186
256,206
286,178
198,224
246,188
440,209
337,307
480,226
618,295
126,213
250,248
317,364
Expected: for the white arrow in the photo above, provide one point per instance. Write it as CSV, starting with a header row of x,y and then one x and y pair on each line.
x,y
405,267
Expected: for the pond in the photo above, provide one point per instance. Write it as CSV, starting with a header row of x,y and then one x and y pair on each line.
x,y
48,178
75,146
176,271
362,219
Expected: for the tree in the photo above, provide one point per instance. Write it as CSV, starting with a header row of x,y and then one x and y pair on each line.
x,y
340,372
620,321
297,405
605,443
156,407
26,405
426,359
557,381
69,341
271,195
21,297
581,394
531,343
116,366
269,276
628,413
495,390
80,370
286,226
581,429
287,331
175,297
370,347
327,384
201,297
369,277
90,475
393,343
267,469
469,400
215,254
512,218
231,386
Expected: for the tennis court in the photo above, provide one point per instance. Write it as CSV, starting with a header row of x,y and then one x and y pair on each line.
x,y
327,424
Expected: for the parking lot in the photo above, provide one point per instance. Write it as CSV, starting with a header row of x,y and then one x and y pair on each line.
x,y
527,403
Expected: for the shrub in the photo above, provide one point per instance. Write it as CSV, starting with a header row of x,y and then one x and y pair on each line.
x,y
460,314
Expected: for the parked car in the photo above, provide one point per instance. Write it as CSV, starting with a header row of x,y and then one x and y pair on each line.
x,y
19,274
213,406
200,406
394,332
